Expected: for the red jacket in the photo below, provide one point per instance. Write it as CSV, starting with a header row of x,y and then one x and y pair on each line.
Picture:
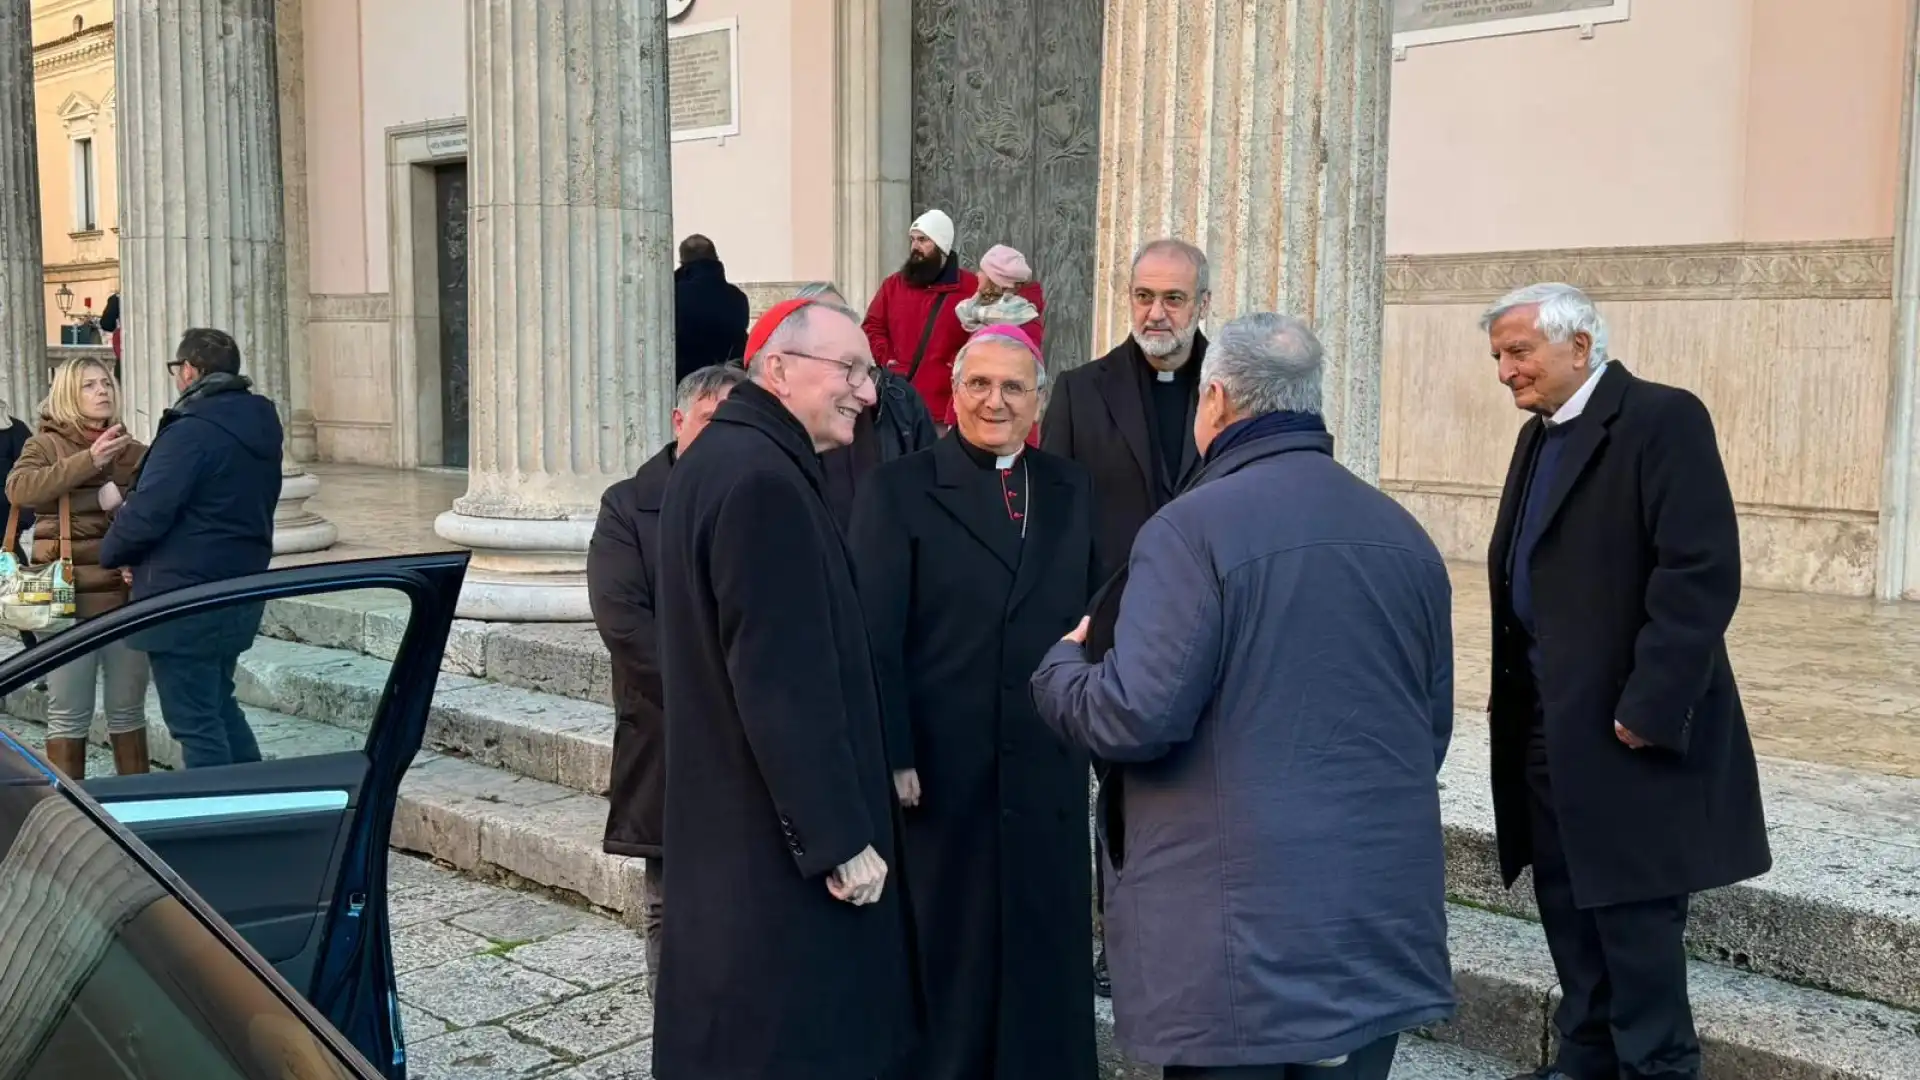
x,y
898,317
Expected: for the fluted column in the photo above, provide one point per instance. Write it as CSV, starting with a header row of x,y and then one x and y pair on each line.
x,y
571,288
1259,132
23,305
202,216
873,134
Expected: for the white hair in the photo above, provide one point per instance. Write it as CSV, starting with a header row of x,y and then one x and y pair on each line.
x,y
820,290
793,329
1266,363
1039,367
1563,311
1192,253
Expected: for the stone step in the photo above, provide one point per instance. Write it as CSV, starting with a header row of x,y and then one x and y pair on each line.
x,y
492,822
1840,911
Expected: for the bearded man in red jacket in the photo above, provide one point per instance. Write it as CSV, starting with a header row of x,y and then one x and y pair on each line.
x,y
911,323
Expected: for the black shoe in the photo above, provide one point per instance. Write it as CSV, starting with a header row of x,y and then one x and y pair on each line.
x,y
1102,982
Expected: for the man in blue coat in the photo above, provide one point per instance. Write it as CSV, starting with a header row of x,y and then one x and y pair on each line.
x,y
1279,698
200,510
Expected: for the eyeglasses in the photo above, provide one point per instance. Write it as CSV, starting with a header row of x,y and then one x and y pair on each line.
x,y
979,386
859,373
174,366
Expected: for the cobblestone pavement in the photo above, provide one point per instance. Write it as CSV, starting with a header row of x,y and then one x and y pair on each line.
x,y
497,984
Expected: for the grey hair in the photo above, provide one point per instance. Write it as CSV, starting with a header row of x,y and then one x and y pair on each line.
x,y
820,290
1563,312
1192,254
707,382
1266,363
795,326
1039,365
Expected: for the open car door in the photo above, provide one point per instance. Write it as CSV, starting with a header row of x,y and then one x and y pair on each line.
x,y
288,841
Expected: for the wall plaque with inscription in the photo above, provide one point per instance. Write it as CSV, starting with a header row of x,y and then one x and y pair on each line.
x,y
1426,22
703,80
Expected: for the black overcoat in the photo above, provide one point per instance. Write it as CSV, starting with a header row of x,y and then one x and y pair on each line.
x,y
776,774
1635,579
1097,416
623,560
961,611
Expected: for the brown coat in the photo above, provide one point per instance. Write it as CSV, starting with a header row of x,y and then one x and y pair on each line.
x,y
56,462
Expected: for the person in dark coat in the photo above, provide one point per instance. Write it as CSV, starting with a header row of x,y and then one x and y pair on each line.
x,y
974,558
1128,418
1623,772
1279,700
14,434
789,952
200,510
710,313
897,425
622,562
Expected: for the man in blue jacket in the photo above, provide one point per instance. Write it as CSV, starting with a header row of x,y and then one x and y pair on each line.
x,y
1278,700
200,510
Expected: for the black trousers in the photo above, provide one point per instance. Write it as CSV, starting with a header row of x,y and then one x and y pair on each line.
x,y
1373,1061
1624,1011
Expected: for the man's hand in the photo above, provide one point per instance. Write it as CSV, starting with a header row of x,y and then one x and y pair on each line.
x,y
1633,741
108,446
860,879
1078,635
906,784
126,575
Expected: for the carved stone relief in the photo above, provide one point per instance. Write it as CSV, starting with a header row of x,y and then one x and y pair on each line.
x,y
1006,107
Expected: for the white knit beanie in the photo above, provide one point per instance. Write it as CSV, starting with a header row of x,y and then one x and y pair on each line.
x,y
937,227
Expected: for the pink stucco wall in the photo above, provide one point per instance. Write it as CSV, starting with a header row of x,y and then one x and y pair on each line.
x,y
765,196
1695,121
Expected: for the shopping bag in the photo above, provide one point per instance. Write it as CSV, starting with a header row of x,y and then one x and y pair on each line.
x,y
37,599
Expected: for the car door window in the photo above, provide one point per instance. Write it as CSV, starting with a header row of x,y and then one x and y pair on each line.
x,y
107,974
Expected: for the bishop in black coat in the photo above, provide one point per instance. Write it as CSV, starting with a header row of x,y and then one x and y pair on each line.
x,y
776,774
971,567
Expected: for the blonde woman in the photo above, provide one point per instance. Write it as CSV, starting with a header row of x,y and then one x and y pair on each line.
x,y
82,453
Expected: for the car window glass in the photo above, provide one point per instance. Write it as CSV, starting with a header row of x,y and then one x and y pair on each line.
x,y
107,975
288,678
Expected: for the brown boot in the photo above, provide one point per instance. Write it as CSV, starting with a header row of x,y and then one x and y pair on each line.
x,y
69,756
130,752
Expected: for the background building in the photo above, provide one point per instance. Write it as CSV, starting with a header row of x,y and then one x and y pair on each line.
x,y
1725,176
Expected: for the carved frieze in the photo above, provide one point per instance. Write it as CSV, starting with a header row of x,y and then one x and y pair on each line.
x,y
1827,269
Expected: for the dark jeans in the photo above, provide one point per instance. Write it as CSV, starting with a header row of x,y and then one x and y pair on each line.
x,y
197,703
1373,1061
651,918
1623,968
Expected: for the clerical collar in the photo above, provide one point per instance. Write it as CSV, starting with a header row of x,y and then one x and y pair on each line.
x,y
987,459
1162,376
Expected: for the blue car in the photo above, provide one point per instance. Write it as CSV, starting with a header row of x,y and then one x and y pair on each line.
x,y
227,921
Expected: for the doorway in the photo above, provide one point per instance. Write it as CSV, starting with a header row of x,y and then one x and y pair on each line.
x,y
450,253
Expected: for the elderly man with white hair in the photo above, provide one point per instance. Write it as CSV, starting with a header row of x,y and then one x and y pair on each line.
x,y
787,953
1278,700
974,557
1623,772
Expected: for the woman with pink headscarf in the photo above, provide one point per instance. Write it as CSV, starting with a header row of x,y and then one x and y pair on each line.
x,y
1008,296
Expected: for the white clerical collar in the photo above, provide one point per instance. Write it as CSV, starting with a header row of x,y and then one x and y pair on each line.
x,y
1162,376
1578,402
1005,461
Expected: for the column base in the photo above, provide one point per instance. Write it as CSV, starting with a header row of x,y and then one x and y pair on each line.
x,y
297,529
522,571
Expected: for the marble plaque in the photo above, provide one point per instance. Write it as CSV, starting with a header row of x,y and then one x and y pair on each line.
x,y
703,80
1429,21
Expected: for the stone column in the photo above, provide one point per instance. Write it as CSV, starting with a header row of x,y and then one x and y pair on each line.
x,y
873,129
202,211
1898,576
1259,132
23,295
302,439
571,286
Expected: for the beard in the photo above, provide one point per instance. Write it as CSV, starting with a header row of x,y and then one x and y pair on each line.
x,y
1163,344
923,270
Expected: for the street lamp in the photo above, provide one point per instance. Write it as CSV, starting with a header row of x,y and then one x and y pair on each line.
x,y
64,298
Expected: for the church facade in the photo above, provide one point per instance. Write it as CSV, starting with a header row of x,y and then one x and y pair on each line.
x,y
1728,178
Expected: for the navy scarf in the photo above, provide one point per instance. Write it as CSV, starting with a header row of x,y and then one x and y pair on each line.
x,y
1256,427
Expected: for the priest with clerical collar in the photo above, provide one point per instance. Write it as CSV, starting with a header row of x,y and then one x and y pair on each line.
x,y
973,558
